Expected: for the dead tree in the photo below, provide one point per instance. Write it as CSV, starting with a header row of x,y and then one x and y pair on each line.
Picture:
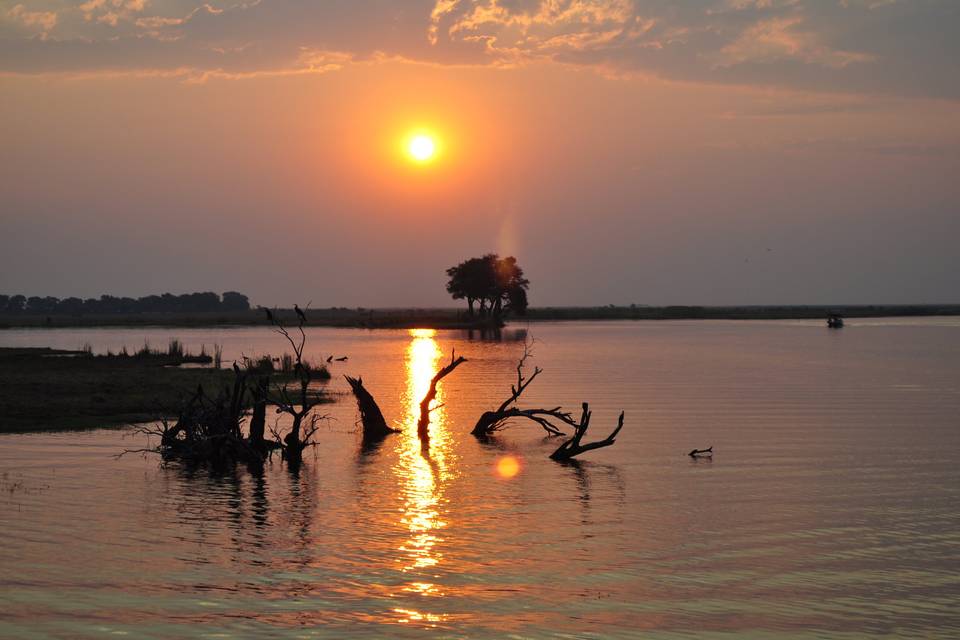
x,y
374,425
423,424
298,402
258,417
491,421
208,430
573,447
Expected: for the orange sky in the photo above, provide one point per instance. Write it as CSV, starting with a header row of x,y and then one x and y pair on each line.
x,y
273,167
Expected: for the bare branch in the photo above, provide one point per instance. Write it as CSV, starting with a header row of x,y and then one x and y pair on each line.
x,y
497,420
424,423
573,446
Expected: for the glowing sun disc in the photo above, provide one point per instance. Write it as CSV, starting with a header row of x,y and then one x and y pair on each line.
x,y
421,148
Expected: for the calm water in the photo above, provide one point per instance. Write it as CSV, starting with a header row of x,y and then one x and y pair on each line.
x,y
830,509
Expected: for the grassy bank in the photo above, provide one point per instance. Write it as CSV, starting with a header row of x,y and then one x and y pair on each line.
x,y
457,318
333,317
48,389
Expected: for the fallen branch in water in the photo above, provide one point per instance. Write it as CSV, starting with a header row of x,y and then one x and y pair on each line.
x,y
708,452
496,420
573,447
423,423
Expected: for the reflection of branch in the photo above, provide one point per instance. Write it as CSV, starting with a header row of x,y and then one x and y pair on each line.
x,y
424,422
572,447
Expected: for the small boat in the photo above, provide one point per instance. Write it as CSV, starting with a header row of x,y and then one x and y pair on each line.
x,y
834,321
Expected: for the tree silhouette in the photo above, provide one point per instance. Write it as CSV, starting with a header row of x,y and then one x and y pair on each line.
x,y
496,283
204,302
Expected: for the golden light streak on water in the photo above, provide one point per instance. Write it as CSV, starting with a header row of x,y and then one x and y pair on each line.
x,y
422,475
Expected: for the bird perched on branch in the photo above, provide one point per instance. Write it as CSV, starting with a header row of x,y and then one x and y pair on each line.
x,y
300,313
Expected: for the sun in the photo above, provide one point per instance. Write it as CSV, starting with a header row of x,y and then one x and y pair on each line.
x,y
422,148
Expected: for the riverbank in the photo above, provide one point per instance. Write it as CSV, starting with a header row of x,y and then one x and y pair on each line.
x,y
458,319
51,389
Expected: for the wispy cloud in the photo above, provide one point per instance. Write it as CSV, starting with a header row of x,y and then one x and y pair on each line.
x,y
45,21
770,41
879,46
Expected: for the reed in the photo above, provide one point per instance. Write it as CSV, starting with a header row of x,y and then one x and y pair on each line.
x,y
175,348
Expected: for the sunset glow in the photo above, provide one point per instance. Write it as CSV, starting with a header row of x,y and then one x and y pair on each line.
x,y
479,318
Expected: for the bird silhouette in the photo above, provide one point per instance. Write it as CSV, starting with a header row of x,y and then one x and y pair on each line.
x,y
236,369
300,313
269,315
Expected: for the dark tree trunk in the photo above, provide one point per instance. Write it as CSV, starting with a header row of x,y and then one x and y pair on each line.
x,y
374,425
423,424
293,451
258,421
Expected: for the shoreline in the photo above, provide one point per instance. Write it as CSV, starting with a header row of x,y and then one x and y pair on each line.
x,y
68,390
416,318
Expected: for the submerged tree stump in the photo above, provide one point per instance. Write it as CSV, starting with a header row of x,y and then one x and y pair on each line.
x,y
374,425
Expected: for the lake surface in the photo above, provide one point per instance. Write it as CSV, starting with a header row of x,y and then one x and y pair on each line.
x,y
831,508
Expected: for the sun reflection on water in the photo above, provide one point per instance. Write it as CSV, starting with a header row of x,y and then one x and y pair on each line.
x,y
422,476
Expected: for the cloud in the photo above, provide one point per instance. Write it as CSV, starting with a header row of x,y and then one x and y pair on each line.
x,y
111,12
872,46
778,39
45,21
542,29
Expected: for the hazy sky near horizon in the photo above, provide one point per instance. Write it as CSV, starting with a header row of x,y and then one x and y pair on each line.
x,y
626,151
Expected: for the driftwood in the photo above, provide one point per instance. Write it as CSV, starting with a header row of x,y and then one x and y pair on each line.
x,y
496,420
573,446
423,424
374,425
696,453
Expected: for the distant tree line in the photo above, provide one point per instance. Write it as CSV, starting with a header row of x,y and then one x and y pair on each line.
x,y
496,283
204,302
